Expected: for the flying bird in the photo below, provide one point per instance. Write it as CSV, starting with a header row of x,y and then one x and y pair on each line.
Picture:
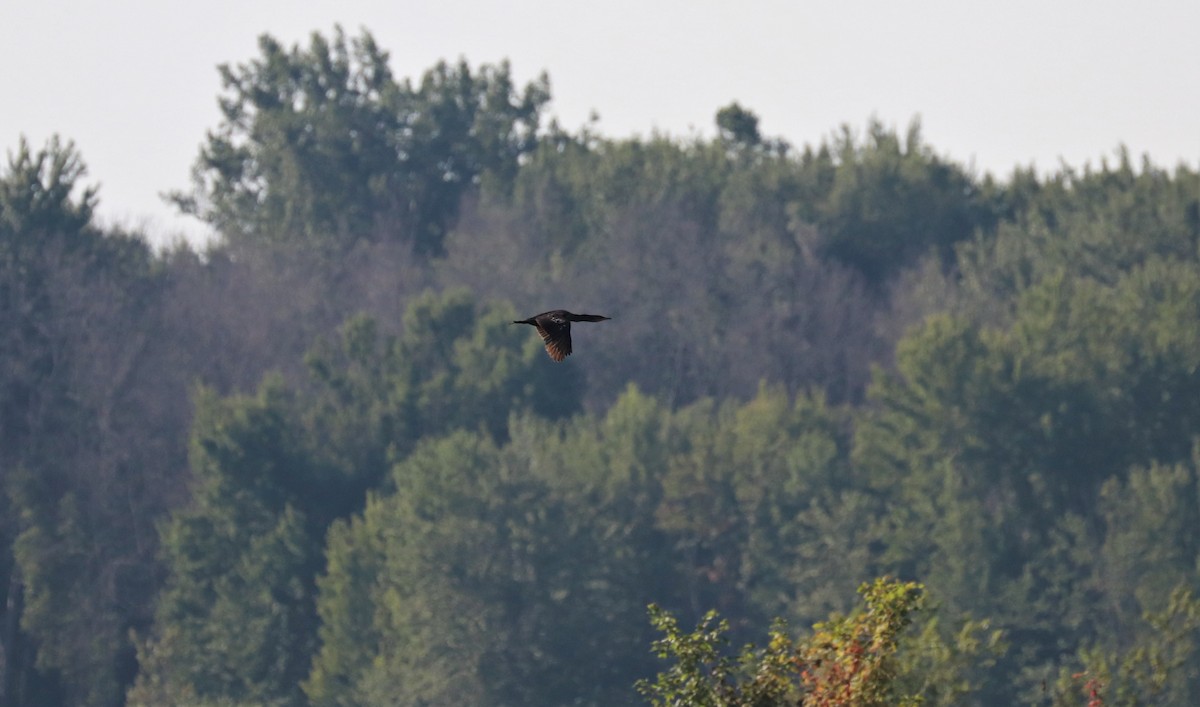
x,y
555,328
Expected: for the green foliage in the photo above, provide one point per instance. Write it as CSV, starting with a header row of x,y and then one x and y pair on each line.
x,y
489,575
1076,389
322,146
1144,587
275,471
420,508
459,364
608,513
738,126
39,199
40,216
236,618
1158,668
747,498
702,675
785,250
53,557
348,633
948,665
74,561
858,659
851,661
1096,224
996,446
1139,512
892,200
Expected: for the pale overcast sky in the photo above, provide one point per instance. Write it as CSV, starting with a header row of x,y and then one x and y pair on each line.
x,y
997,84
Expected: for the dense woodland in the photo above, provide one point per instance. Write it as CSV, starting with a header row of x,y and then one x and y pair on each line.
x,y
314,463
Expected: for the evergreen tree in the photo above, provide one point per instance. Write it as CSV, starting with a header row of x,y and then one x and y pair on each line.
x,y
78,491
321,147
893,200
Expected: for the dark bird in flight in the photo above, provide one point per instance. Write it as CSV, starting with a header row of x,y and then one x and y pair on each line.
x,y
555,328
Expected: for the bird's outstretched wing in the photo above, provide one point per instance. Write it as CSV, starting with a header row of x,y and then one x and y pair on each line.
x,y
556,333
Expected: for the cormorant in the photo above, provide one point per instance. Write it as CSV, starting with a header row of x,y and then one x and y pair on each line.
x,y
555,328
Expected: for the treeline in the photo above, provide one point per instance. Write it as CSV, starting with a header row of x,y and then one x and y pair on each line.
x,y
314,463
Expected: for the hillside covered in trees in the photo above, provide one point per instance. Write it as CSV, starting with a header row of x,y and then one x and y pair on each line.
x,y
316,464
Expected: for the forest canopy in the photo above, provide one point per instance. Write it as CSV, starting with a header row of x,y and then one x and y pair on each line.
x,y
314,463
